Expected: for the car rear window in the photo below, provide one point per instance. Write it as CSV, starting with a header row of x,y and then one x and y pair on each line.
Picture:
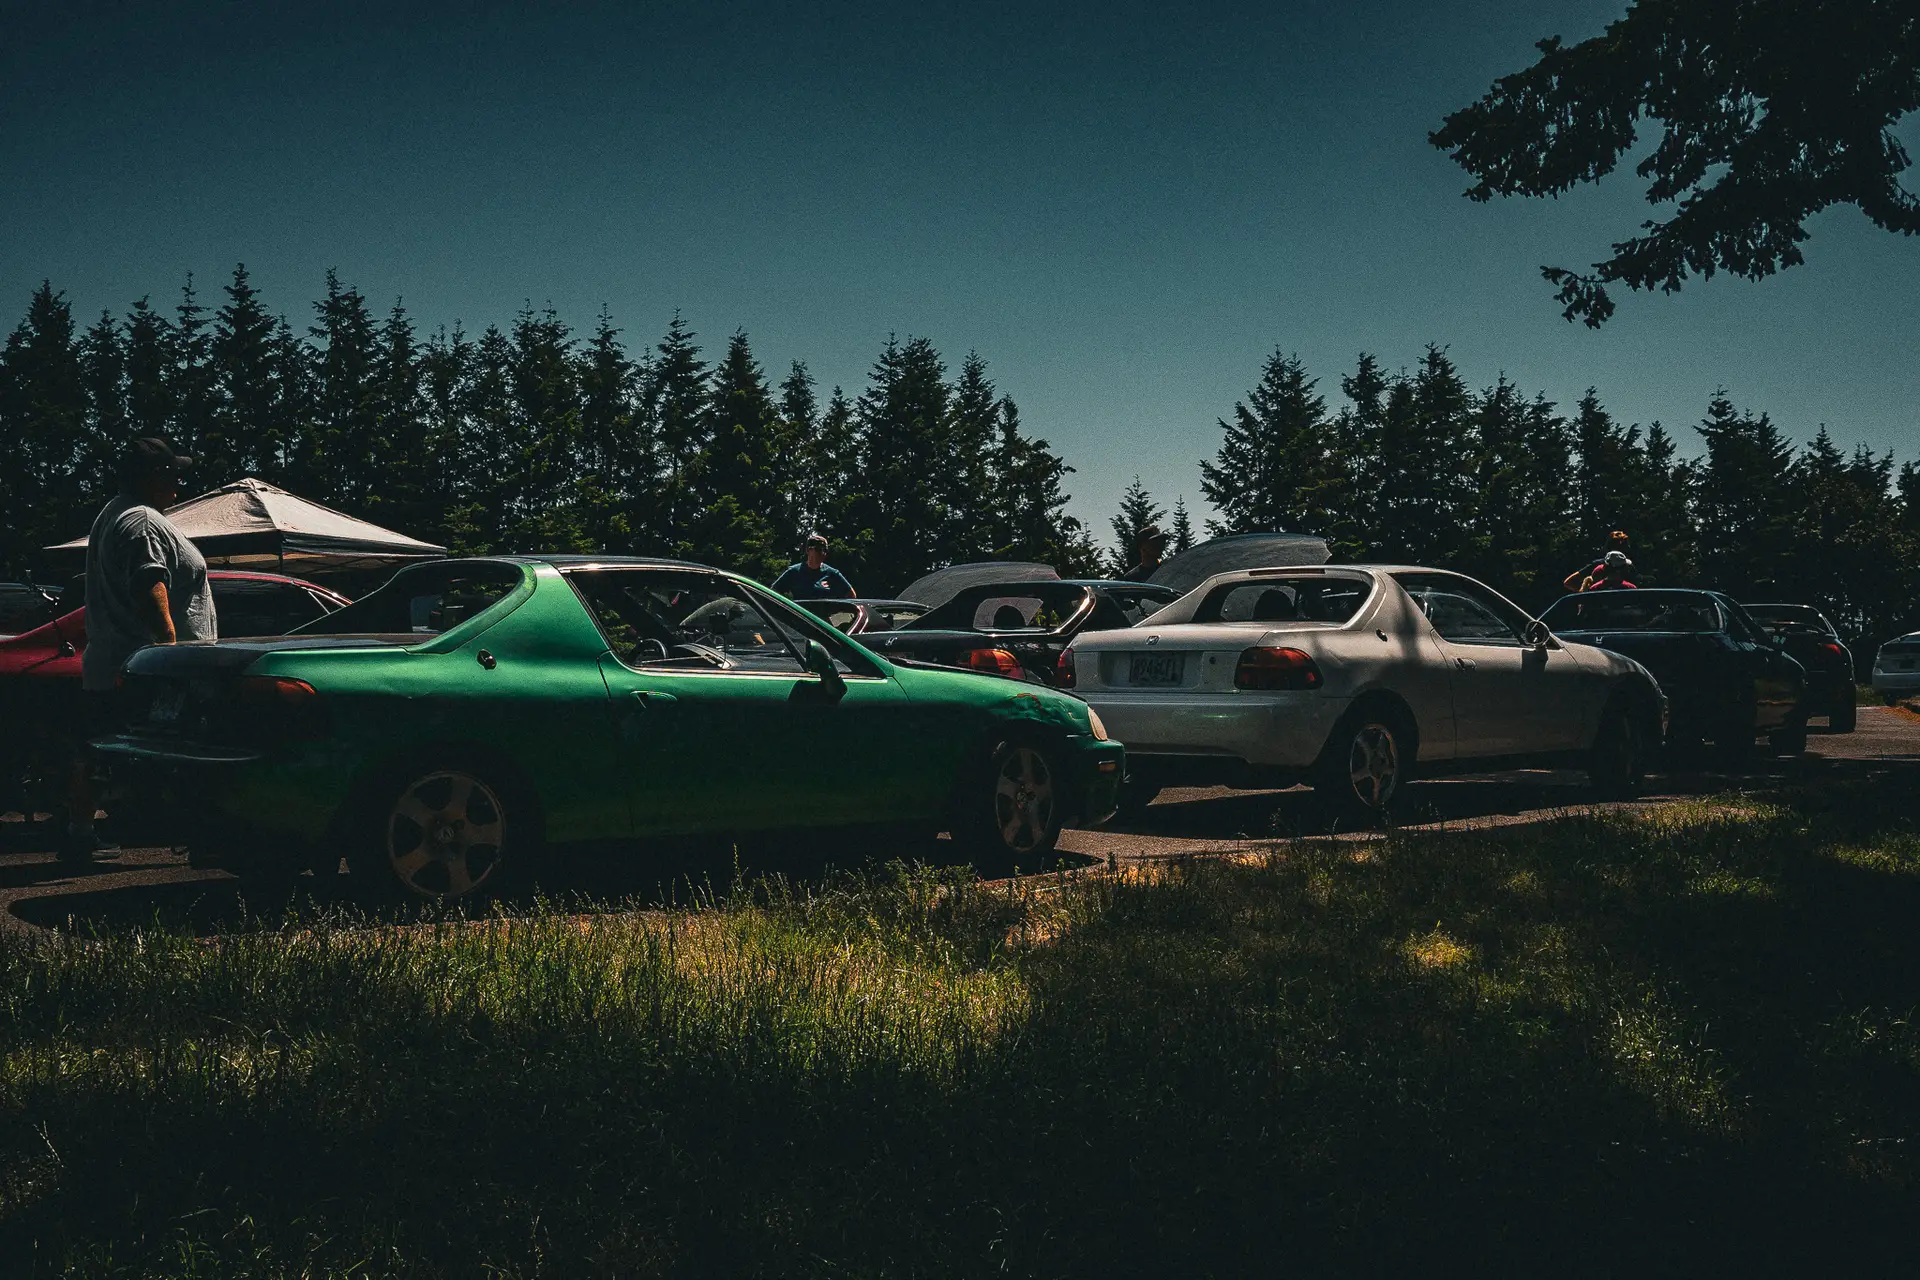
x,y
1026,606
422,602
1790,619
1314,599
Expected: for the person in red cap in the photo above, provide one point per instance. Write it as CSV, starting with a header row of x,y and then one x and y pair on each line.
x,y
1576,581
1611,575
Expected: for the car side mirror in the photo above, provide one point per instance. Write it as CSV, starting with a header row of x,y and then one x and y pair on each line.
x,y
820,663
1537,634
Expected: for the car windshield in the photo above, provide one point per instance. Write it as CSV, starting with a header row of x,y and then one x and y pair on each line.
x,y
835,613
668,618
1791,619
1634,611
1024,606
1302,599
422,602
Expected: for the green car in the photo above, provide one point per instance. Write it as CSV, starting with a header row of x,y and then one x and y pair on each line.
x,y
444,729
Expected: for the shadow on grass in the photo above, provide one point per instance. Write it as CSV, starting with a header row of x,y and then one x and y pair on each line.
x,y
1602,1046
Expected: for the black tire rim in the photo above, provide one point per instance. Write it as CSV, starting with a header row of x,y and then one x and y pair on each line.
x,y
1373,765
1023,799
444,835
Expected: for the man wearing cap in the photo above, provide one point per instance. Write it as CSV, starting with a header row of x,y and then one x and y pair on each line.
x,y
1611,575
1151,543
1576,581
813,578
146,584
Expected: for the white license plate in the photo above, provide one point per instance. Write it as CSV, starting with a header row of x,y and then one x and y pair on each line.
x,y
167,706
1154,668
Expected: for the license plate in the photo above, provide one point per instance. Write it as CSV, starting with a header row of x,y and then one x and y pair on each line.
x,y
1154,668
167,706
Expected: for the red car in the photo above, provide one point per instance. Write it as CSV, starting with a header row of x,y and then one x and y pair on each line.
x,y
40,670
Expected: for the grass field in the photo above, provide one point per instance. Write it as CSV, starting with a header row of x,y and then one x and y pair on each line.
x,y
1677,1044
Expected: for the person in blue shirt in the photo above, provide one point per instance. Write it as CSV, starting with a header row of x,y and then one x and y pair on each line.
x,y
813,578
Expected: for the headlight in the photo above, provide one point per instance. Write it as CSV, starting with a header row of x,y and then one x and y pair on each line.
x,y
1098,726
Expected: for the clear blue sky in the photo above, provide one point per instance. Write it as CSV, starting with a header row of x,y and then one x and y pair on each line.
x,y
1124,208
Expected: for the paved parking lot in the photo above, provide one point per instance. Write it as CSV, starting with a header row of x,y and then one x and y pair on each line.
x,y
146,885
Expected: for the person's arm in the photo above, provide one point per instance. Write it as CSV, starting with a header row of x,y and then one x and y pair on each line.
x,y
846,588
1572,581
159,610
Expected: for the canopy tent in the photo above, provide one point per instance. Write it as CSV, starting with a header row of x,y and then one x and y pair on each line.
x,y
251,524
1237,551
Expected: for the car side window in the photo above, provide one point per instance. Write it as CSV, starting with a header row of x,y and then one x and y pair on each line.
x,y
1461,614
799,628
683,621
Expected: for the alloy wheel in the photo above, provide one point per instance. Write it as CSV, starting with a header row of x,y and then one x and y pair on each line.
x,y
1023,799
1373,765
445,834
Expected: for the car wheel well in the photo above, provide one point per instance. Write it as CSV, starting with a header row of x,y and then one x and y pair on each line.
x,y
1379,702
373,780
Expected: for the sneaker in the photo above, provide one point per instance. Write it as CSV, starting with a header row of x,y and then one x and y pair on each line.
x,y
83,847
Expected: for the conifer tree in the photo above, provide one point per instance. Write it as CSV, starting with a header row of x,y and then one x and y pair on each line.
x,y
446,364
1182,526
546,425
1271,473
972,436
830,458
43,411
1523,525
676,403
1425,460
403,488
481,522
1137,511
193,392
802,490
1354,474
103,370
336,461
615,444
246,429
740,498
150,358
1028,506
1743,500
902,420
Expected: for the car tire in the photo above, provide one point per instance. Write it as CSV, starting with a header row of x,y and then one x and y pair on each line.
x,y
1366,763
1843,718
1011,809
1789,739
444,831
1617,761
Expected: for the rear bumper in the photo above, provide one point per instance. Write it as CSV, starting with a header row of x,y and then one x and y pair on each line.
x,y
1897,682
1283,730
219,798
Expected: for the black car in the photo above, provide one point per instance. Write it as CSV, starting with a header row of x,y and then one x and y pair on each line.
x,y
1815,645
1019,629
859,616
1726,679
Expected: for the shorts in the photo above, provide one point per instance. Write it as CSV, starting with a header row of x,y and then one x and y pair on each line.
x,y
103,712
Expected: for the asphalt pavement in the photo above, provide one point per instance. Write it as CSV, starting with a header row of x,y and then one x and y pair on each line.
x,y
141,886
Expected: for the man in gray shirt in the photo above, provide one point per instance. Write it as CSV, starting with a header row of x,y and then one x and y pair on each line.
x,y
146,584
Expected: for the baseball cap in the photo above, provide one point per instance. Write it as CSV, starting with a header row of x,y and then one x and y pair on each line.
x,y
1151,533
150,454
1618,560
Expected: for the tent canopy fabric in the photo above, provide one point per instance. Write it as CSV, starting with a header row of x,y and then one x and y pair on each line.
x,y
251,522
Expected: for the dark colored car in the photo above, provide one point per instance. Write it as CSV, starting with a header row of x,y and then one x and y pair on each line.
x,y
1814,644
859,616
1020,629
1727,681
40,669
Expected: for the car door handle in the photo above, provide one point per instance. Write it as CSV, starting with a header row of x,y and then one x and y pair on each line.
x,y
1465,664
653,698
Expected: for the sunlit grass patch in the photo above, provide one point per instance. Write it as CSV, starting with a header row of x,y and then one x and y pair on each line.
x,y
1677,1041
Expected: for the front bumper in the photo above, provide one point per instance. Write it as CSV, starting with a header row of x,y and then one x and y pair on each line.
x,y
1098,770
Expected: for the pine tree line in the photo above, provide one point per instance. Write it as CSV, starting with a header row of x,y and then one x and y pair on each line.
x,y
530,437
1415,467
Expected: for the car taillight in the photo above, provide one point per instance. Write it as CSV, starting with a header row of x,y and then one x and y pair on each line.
x,y
1833,650
1267,667
1063,673
995,662
287,707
